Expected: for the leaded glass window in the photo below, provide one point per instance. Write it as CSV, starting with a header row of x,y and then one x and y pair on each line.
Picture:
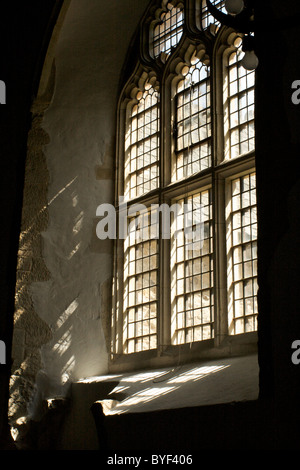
x,y
168,31
193,120
186,141
192,270
240,105
242,254
140,285
207,18
142,143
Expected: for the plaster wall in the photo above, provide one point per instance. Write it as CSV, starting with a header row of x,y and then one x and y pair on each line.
x,y
62,303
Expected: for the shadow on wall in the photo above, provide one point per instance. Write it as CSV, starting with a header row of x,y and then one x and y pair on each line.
x,y
30,332
58,335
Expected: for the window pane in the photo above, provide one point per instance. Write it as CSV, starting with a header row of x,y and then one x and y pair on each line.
x,y
142,144
192,300
192,129
140,286
168,31
242,256
240,105
207,18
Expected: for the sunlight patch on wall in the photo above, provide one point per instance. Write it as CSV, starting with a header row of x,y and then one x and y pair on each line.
x,y
63,343
67,313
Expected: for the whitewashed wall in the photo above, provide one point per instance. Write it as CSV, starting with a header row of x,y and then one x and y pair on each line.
x,y
64,318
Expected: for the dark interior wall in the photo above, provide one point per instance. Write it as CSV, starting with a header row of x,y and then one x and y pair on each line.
x,y
277,161
24,32
22,27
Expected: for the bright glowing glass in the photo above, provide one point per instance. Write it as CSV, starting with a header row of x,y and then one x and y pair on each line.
x,y
240,106
192,275
242,255
142,144
167,33
140,288
192,128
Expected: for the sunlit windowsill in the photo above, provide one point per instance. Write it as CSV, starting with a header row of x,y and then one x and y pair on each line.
x,y
210,382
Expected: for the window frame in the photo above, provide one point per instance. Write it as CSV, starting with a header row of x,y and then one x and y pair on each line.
x,y
218,176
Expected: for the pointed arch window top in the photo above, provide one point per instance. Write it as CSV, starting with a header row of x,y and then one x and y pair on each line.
x,y
168,31
142,141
